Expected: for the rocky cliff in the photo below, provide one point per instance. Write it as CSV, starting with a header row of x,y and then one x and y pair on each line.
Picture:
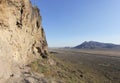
x,y
22,38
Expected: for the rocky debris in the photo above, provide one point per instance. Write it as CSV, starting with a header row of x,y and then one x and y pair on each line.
x,y
22,40
27,77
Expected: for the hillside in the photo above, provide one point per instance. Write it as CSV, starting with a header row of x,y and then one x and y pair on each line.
x,y
76,66
97,45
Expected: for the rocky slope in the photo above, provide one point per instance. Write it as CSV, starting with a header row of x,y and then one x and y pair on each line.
x,y
22,40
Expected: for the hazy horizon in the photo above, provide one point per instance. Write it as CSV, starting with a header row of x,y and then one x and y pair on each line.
x,y
71,22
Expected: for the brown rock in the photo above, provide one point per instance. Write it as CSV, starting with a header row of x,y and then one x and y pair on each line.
x,y
22,38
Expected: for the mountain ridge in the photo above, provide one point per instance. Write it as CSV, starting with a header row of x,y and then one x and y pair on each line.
x,y
97,45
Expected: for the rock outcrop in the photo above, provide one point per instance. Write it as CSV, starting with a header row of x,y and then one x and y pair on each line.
x,y
22,38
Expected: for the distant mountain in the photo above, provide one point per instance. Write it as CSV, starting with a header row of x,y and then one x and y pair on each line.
x,y
97,45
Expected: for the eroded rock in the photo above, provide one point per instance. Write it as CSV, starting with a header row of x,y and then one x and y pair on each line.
x,y
22,38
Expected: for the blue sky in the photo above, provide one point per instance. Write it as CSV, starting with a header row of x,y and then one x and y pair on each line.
x,y
70,22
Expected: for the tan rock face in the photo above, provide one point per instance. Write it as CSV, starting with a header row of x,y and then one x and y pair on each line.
x,y
22,38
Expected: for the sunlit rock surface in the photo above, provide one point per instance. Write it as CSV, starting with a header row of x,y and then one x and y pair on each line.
x,y
22,38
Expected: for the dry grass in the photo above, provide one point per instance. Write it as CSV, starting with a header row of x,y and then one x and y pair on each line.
x,y
97,66
73,66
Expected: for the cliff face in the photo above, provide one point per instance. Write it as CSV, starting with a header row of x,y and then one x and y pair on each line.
x,y
22,38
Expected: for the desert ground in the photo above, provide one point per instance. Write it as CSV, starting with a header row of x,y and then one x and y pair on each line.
x,y
87,66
